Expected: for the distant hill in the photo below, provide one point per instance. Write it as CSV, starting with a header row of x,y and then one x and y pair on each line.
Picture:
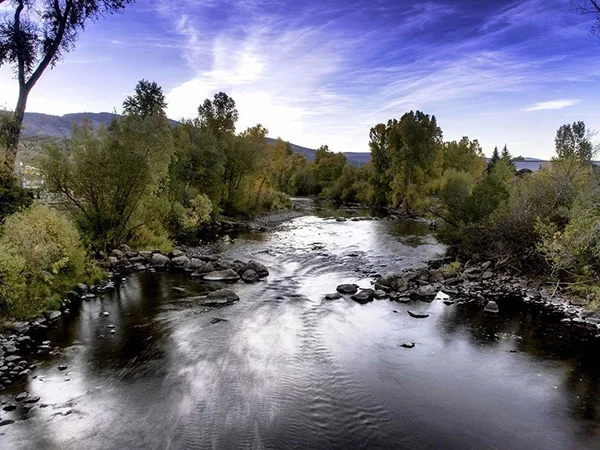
x,y
37,126
356,159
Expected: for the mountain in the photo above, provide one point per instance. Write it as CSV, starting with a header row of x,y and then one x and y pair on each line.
x,y
37,125
354,158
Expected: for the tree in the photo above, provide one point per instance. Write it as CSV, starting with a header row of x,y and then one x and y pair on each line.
x,y
507,158
35,36
494,159
148,99
218,115
382,163
588,7
112,178
574,141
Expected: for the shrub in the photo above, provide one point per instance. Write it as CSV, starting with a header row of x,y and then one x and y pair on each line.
x,y
41,257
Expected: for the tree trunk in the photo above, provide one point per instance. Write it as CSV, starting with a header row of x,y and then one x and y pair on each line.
x,y
14,131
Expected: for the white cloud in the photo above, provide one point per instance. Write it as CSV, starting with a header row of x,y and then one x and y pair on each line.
x,y
553,104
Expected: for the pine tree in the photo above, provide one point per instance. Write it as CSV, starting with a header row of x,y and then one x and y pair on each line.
x,y
495,158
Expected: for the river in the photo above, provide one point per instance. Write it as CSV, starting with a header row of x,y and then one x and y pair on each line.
x,y
288,369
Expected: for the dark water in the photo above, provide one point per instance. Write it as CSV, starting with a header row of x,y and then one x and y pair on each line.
x,y
291,370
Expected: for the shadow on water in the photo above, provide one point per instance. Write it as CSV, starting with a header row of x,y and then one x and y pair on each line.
x,y
287,369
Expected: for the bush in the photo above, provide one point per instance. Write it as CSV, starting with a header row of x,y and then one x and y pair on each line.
x,y
41,257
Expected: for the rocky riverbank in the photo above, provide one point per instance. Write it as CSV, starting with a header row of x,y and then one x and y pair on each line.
x,y
472,283
23,340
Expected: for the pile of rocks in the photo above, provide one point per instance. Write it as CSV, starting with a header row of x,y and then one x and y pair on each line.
x,y
472,283
206,267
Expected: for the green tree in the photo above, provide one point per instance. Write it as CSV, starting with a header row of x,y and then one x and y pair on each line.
x,y
572,140
465,155
35,35
382,164
148,99
494,159
219,115
507,158
109,175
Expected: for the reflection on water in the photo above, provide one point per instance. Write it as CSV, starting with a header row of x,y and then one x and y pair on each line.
x,y
288,369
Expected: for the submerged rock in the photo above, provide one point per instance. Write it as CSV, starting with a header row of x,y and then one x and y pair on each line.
x,y
347,288
180,261
217,320
408,345
492,307
417,315
379,294
335,296
222,275
364,296
221,297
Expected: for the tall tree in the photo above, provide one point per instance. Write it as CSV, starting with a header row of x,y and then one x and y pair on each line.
x,y
218,115
572,140
494,159
507,158
148,99
35,36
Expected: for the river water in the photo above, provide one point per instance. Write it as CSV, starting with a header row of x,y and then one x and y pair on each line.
x,y
288,369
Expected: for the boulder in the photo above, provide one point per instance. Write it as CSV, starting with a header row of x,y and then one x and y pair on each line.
x,y
335,296
146,255
176,254
347,288
238,266
117,253
193,264
436,276
227,275
159,260
221,297
417,315
400,285
53,315
427,291
379,294
260,269
180,261
249,276
364,296
487,275
491,307
408,345
113,261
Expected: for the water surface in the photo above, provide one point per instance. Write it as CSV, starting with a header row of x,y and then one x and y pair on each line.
x,y
288,369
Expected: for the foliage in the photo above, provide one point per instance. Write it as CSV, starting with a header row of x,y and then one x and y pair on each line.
x,y
107,175
41,256
148,99
219,115
573,141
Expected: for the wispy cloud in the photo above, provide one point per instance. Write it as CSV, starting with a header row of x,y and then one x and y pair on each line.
x,y
552,104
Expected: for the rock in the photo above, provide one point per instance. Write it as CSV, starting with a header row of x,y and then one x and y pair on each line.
x,y
260,269
335,296
176,253
227,275
426,291
159,260
204,267
364,296
408,345
487,275
347,288
116,253
32,399
132,254
62,367
10,407
194,264
239,266
146,255
82,288
220,297
417,315
113,261
6,422
53,315
400,285
436,276
536,295
10,349
340,219
250,276
217,320
105,314
22,396
180,261
379,294
491,307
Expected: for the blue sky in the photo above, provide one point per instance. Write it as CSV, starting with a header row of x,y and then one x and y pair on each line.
x,y
323,72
